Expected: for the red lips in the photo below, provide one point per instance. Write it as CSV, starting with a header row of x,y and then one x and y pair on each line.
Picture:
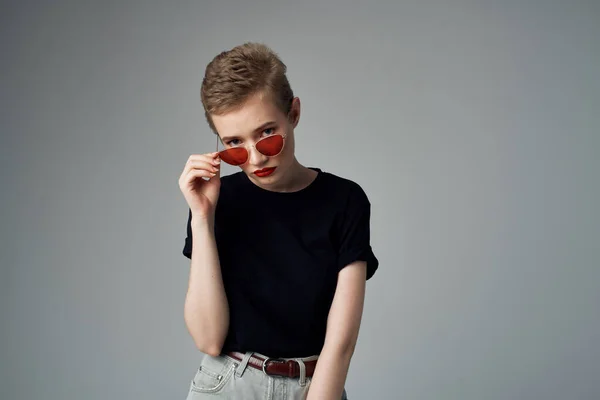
x,y
264,172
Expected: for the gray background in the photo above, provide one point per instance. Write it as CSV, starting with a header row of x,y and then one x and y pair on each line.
x,y
472,126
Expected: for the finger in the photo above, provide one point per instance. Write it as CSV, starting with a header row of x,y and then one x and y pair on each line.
x,y
198,173
218,173
202,165
208,157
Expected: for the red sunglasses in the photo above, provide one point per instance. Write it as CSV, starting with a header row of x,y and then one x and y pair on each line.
x,y
269,146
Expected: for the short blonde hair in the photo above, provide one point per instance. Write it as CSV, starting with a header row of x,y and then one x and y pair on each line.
x,y
237,74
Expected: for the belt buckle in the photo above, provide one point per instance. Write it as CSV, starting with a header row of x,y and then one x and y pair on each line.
x,y
264,366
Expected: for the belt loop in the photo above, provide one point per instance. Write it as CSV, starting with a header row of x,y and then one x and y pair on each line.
x,y
302,371
243,364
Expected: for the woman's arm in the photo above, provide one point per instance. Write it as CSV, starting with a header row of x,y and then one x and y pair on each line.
x,y
206,310
343,323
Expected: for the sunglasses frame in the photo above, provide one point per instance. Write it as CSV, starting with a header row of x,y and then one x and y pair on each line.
x,y
253,146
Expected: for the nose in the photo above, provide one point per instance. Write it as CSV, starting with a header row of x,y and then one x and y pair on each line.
x,y
255,157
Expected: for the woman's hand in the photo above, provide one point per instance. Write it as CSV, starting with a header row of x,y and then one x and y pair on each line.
x,y
201,194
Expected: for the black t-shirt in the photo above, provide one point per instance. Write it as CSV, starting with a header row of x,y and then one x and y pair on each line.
x,y
280,254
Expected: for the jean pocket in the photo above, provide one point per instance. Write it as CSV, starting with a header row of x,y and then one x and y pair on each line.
x,y
210,376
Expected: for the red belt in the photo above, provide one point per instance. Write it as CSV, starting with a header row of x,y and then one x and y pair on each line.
x,y
276,366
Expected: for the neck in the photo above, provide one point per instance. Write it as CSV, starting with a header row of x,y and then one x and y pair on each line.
x,y
297,177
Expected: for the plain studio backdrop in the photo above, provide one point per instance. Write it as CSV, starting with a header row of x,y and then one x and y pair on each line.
x,y
473,126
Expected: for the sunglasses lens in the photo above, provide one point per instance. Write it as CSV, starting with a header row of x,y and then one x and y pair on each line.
x,y
235,156
270,146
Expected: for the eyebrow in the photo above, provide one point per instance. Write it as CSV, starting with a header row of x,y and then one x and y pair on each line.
x,y
260,128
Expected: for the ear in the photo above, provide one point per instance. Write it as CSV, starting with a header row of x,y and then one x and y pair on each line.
x,y
294,115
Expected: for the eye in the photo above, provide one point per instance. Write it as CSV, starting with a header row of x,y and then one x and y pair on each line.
x,y
269,131
232,142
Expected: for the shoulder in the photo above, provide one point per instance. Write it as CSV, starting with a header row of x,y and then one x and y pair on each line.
x,y
345,188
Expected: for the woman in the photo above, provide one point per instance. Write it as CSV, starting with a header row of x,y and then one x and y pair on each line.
x,y
279,252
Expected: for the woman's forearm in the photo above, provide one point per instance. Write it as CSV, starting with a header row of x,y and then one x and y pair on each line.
x,y
206,310
330,375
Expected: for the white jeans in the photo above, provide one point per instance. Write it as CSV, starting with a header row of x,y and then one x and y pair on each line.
x,y
223,377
